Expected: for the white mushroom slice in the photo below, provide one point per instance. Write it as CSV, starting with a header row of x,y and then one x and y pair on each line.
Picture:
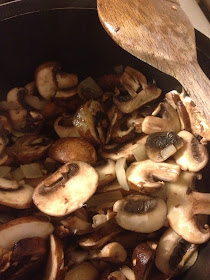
x,y
6,184
45,79
140,213
20,198
193,156
183,206
66,80
67,189
173,252
128,272
117,151
112,252
106,171
55,259
84,271
162,145
18,118
137,89
16,95
168,120
199,124
25,227
148,176
64,127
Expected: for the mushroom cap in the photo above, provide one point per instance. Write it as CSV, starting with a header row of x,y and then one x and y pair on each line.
x,y
161,145
73,149
140,213
172,252
25,227
147,176
193,156
67,189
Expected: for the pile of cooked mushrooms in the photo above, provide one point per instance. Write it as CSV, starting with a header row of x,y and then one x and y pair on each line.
x,y
99,178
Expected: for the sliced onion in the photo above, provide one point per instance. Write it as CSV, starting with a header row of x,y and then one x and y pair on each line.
x,y
32,170
140,152
120,173
168,151
8,184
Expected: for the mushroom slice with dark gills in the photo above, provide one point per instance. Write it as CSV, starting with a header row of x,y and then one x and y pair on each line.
x,y
91,122
173,253
140,213
164,118
162,145
147,176
28,149
67,189
184,206
193,156
134,91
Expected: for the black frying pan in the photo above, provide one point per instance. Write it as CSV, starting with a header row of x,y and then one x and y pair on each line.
x,y
33,32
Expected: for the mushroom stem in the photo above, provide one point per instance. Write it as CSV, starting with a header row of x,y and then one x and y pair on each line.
x,y
201,203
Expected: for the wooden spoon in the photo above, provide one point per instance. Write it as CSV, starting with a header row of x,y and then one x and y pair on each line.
x,y
159,33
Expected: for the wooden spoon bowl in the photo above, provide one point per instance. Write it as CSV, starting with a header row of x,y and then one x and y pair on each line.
x,y
159,33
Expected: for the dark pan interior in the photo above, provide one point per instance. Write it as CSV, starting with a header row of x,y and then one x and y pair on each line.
x,y
76,39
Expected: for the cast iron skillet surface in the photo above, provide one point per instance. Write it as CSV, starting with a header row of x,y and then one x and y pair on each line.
x,y
33,32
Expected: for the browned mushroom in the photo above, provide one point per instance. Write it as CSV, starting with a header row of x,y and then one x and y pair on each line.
x,y
135,91
67,189
69,149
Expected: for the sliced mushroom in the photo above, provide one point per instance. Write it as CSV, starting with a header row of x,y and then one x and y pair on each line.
x,y
142,260
28,149
106,171
25,227
140,213
173,252
168,120
69,149
20,198
77,225
121,132
101,236
67,189
112,252
84,271
6,184
66,80
162,145
193,156
45,79
33,246
183,206
64,127
136,92
128,272
199,124
92,122
122,150
173,98
148,176
55,259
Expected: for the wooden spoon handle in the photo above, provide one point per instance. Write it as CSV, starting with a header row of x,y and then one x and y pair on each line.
x,y
197,85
